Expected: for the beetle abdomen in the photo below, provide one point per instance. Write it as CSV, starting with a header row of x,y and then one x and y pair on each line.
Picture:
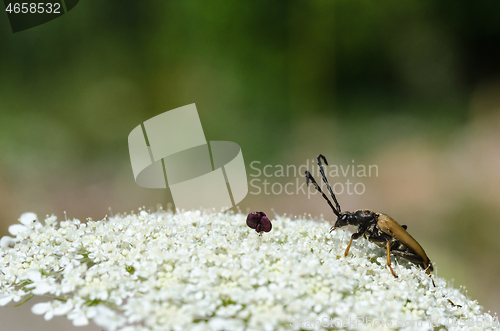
x,y
400,249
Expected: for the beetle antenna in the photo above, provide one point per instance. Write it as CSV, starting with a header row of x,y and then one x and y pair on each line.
x,y
309,177
321,157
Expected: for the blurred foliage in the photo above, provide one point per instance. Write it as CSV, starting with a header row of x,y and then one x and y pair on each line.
x,y
285,80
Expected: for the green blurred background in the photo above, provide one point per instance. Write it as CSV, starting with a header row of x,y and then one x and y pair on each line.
x,y
410,86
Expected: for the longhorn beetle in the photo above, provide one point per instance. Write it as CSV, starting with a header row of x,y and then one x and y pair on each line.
x,y
378,228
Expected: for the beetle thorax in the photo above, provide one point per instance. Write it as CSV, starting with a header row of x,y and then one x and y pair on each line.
x,y
363,217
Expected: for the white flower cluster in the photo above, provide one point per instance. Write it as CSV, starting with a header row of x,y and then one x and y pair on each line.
x,y
196,271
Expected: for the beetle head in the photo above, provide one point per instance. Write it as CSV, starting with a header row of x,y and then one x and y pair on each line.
x,y
343,219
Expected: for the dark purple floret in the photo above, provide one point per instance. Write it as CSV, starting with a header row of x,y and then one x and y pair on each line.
x,y
258,221
253,219
265,224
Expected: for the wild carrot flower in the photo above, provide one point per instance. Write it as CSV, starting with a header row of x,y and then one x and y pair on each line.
x,y
197,271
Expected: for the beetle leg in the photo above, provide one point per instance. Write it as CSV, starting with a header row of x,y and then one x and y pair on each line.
x,y
389,259
348,247
353,237
428,271
414,258
454,305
